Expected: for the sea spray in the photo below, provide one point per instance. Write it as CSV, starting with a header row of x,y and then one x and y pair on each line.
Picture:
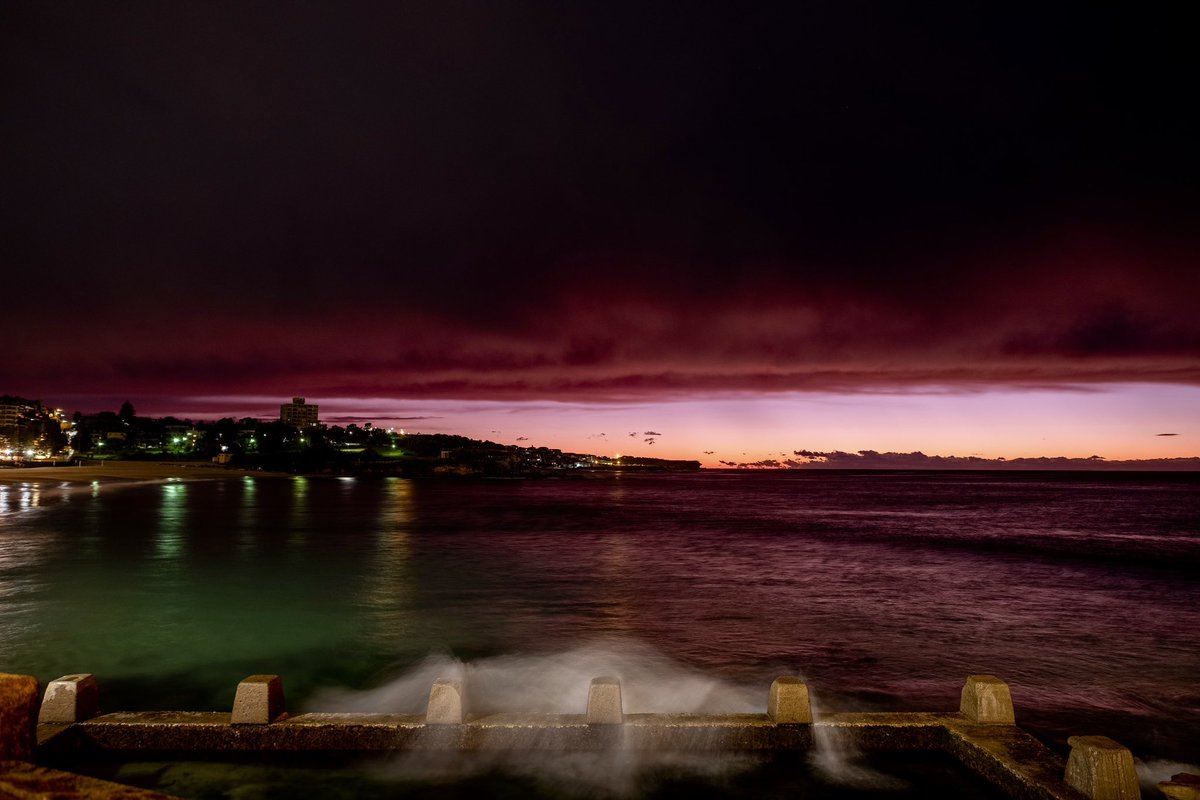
x,y
836,758
1153,772
405,694
613,772
557,683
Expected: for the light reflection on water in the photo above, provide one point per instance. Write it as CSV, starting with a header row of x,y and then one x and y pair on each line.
x,y
884,590
172,516
386,590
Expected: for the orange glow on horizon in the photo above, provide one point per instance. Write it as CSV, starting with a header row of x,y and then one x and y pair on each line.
x,y
1115,422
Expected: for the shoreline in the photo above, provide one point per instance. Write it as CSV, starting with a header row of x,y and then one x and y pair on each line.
x,y
128,472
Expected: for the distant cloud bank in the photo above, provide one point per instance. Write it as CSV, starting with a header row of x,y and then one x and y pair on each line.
x,y
870,459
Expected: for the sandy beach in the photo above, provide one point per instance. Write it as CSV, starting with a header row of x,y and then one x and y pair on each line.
x,y
124,471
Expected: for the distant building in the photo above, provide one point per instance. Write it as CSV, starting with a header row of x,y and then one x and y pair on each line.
x,y
10,415
298,414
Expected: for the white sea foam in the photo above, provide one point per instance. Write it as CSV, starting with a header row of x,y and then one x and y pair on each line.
x,y
1151,773
837,759
557,683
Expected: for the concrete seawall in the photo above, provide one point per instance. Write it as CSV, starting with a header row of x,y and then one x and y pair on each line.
x,y
981,735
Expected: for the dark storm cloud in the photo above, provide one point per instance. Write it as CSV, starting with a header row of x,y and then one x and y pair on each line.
x,y
578,200
1115,330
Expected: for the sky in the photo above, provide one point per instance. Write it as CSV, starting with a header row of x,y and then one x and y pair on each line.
x,y
817,226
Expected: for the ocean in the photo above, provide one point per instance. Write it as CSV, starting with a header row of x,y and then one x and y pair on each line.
x,y
883,589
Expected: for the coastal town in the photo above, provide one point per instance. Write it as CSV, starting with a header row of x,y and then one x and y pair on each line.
x,y
35,434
